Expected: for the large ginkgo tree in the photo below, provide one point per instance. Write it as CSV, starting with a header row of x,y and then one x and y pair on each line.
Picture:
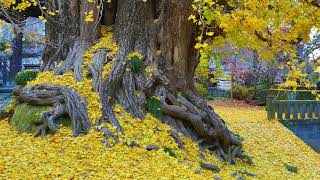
x,y
157,47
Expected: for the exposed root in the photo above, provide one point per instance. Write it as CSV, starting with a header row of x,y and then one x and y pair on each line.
x,y
211,167
99,83
42,130
96,69
107,135
191,116
50,116
74,60
176,137
187,114
64,99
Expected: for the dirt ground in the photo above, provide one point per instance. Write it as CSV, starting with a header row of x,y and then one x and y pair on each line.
x,y
233,104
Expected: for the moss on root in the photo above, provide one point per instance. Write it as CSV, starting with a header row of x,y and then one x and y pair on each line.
x,y
28,118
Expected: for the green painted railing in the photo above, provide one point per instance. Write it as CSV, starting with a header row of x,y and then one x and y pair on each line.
x,y
293,109
283,104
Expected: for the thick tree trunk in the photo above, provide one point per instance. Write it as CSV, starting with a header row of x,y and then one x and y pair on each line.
x,y
67,34
172,35
161,32
16,60
61,31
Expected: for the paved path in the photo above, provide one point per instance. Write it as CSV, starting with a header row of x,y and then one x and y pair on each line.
x,y
5,99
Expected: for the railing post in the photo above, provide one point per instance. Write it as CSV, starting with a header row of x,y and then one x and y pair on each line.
x,y
269,107
295,110
288,113
310,116
317,109
303,110
280,111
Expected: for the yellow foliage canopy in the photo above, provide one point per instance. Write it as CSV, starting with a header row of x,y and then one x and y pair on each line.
x,y
268,27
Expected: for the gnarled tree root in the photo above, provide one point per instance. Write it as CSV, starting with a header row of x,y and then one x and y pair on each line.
x,y
191,116
74,60
100,84
65,101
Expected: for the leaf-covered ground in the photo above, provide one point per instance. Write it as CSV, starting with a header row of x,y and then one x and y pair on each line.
x,y
62,156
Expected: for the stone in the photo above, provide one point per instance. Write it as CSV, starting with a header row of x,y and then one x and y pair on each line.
x,y
198,171
241,178
291,168
234,174
212,167
152,147
133,144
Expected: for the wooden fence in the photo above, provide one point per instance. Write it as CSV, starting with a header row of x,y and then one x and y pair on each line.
x,y
293,109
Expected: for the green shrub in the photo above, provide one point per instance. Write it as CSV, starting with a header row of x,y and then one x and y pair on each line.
x,y
153,106
261,97
202,89
250,90
24,76
288,123
283,95
240,92
135,62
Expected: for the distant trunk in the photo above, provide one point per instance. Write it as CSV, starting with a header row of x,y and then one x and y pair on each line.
x,y
16,60
67,31
255,73
161,32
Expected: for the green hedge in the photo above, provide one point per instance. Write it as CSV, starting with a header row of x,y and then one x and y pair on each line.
x,y
285,94
240,92
24,76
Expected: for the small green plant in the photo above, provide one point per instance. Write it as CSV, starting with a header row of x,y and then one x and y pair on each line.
x,y
135,62
287,123
240,92
24,76
239,137
153,106
170,152
291,168
3,114
210,98
201,89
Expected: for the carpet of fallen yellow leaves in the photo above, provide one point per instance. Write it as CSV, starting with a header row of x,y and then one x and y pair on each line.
x,y
62,156
271,145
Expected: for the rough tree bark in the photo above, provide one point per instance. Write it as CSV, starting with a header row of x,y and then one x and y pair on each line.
x,y
68,35
161,32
